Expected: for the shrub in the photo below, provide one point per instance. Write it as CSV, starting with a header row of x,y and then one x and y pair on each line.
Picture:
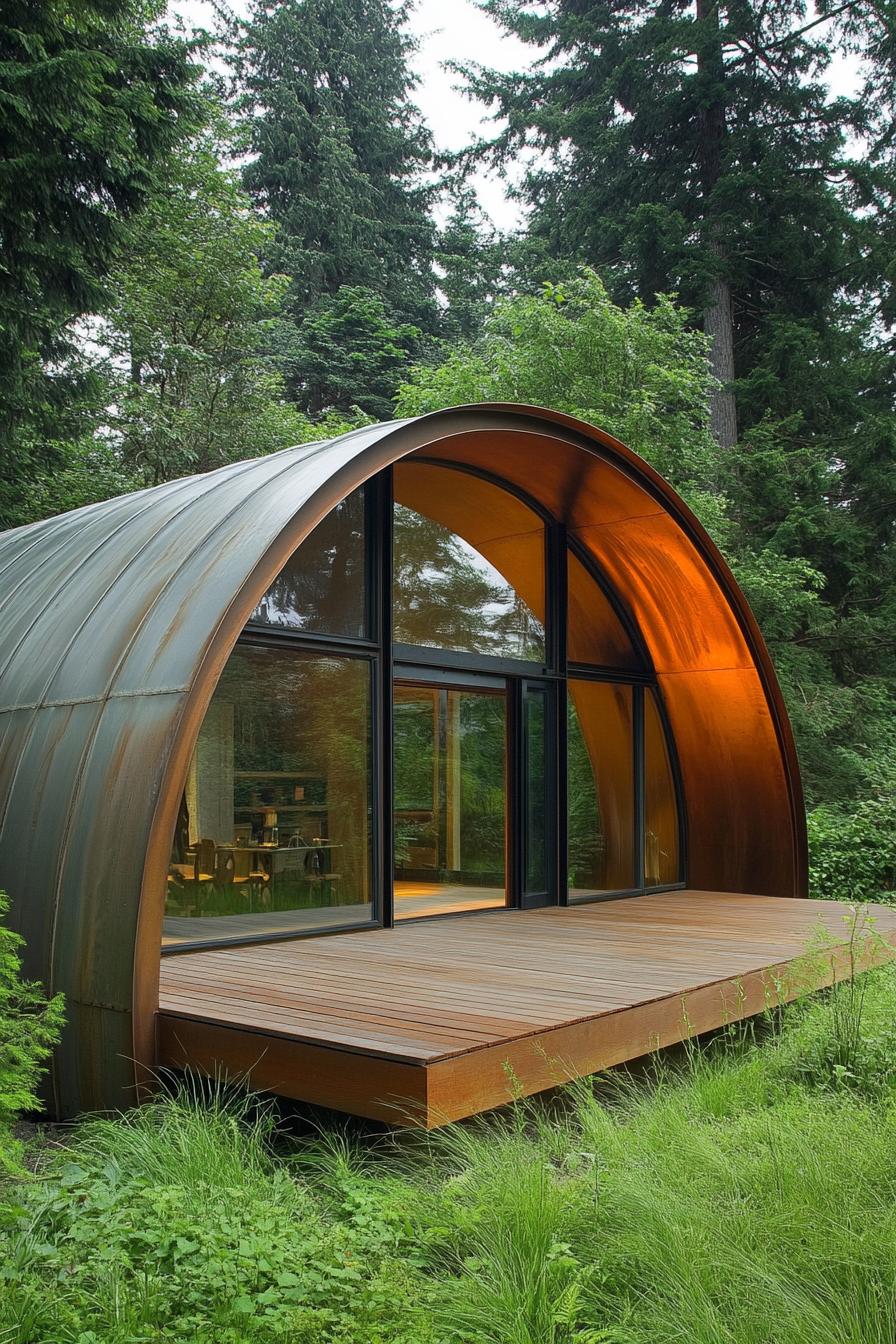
x,y
176,1222
29,1028
853,853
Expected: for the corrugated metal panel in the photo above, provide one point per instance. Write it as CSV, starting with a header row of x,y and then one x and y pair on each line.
x,y
116,619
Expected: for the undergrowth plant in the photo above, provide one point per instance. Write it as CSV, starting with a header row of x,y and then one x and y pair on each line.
x,y
739,1191
29,1028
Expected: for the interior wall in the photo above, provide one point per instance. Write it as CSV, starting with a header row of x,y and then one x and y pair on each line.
x,y
210,781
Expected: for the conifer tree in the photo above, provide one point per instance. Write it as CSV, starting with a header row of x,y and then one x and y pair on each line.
x,y
94,98
691,146
338,160
472,263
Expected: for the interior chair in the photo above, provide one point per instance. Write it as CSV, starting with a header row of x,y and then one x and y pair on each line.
x,y
204,862
194,876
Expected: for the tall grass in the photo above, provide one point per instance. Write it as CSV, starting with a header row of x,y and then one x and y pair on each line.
x,y
741,1192
207,1135
748,1195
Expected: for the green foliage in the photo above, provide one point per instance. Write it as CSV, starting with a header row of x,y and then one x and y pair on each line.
x,y
639,373
338,156
96,97
188,326
176,1222
744,1192
348,355
90,469
29,1028
845,1041
853,852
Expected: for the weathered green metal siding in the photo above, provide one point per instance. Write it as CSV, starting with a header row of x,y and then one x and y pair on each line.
x,y
114,623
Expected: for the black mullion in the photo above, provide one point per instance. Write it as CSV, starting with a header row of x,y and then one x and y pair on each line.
x,y
638,746
515,738
593,672
560,547
423,655
380,490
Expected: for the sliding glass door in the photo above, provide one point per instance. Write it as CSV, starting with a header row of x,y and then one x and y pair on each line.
x,y
450,773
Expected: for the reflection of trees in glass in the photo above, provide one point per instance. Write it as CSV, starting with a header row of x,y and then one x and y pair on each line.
x,y
482,783
449,771
321,587
414,726
585,829
536,792
308,718
446,595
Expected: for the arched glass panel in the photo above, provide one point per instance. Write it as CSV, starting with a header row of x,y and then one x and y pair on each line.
x,y
321,587
469,565
662,863
601,789
595,633
274,828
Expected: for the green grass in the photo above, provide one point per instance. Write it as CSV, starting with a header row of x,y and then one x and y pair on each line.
x,y
743,1190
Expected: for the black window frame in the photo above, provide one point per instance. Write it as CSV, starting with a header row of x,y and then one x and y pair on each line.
x,y
390,662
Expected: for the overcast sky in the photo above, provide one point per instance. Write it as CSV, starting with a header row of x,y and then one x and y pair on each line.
x,y
455,30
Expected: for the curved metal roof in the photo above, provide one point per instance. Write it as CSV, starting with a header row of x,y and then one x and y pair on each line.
x,y
116,619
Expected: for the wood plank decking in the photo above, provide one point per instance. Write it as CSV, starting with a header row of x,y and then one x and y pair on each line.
x,y
439,1019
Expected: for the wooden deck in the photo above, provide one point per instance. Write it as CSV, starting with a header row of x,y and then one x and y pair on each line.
x,y
440,1019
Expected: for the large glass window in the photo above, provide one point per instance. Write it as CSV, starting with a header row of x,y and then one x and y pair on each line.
x,y
469,565
601,788
661,857
274,834
275,821
321,587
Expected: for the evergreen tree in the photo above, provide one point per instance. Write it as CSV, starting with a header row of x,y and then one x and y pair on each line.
x,y
690,146
472,262
191,315
338,156
693,147
94,100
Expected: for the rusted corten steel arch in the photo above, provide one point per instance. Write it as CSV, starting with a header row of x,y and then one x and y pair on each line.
x,y
118,618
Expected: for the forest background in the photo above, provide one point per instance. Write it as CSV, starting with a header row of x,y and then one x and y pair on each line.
x,y
218,243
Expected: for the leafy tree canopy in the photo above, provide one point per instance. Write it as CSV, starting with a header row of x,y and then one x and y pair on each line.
x,y
338,157
641,373
95,97
188,329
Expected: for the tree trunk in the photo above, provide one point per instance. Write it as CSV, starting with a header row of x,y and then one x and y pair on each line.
x,y
718,323
718,317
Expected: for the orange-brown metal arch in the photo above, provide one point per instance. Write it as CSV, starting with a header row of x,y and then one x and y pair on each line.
x,y
116,620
